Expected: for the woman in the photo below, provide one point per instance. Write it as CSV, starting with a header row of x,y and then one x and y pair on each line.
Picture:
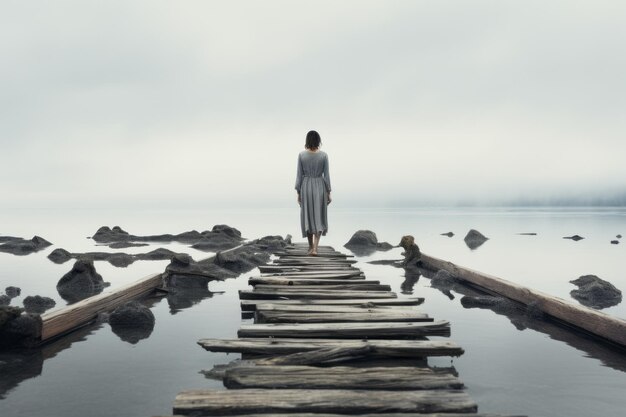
x,y
313,187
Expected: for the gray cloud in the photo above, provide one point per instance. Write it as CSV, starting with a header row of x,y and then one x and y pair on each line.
x,y
207,103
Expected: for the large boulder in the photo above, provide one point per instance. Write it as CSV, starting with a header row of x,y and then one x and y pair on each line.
x,y
105,235
474,239
5,300
81,282
272,243
38,304
595,292
216,241
19,246
132,322
184,272
365,242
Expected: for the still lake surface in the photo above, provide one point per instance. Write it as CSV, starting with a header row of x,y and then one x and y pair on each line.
x,y
510,366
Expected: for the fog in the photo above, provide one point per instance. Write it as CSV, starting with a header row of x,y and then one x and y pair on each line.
x,y
201,104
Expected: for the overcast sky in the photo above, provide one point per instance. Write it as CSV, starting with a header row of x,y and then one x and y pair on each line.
x,y
201,103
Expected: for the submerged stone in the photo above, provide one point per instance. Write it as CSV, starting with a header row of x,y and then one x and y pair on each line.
x,y
13,291
365,242
575,238
19,246
81,282
132,322
38,304
595,292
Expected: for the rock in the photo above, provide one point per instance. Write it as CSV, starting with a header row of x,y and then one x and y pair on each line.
x,y
449,234
242,260
17,329
528,234
106,234
214,242
81,282
159,254
615,242
498,304
38,304
474,239
227,230
13,291
619,236
132,322
5,300
575,238
59,256
412,254
19,246
365,242
181,298
595,292
184,272
272,243
392,262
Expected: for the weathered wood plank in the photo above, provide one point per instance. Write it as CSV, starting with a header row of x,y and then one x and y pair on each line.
x,y
320,401
339,377
357,308
316,268
269,316
299,253
317,294
296,414
75,315
345,286
250,305
382,348
384,330
608,327
313,260
315,274
311,281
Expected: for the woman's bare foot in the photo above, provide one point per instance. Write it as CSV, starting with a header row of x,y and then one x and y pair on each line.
x,y
309,252
313,252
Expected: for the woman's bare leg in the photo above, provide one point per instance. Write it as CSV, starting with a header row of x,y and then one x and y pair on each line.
x,y
316,242
309,237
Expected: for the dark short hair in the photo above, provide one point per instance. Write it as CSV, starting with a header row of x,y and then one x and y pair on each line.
x,y
313,140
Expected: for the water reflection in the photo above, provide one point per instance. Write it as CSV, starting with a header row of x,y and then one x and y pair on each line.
x,y
182,298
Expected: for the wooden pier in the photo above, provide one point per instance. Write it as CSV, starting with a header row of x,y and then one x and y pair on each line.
x,y
328,342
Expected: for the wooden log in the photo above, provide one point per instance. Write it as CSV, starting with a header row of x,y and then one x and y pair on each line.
x,y
63,320
589,320
381,348
316,295
384,330
310,281
250,305
211,402
357,286
339,377
268,316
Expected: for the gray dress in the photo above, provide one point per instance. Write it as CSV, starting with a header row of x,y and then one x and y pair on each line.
x,y
313,185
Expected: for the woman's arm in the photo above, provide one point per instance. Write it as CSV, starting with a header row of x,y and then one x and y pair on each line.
x,y
299,176
327,178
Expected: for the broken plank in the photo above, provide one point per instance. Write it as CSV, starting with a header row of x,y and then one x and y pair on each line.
x,y
265,316
339,377
211,402
383,330
317,294
382,348
250,305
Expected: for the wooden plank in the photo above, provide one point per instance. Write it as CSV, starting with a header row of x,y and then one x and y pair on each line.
x,y
316,268
339,377
357,308
357,286
250,305
310,281
313,260
317,294
384,330
316,274
68,318
211,402
592,321
285,346
299,253
296,414
268,316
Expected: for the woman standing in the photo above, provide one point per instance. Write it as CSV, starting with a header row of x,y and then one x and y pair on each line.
x,y
313,187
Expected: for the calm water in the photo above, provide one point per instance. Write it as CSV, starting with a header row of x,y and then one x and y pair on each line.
x,y
529,368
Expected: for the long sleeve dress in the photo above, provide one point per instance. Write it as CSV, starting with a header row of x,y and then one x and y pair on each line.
x,y
313,185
